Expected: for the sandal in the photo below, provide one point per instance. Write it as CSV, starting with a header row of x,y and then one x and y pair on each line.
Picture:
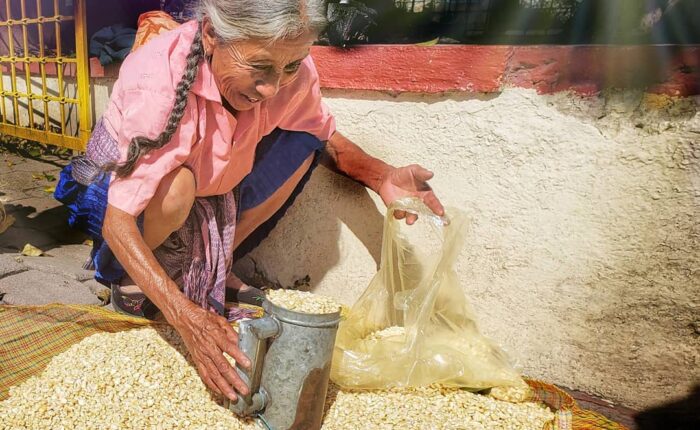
x,y
240,292
132,304
248,295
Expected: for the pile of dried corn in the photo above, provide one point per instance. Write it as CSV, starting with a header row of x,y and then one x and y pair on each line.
x,y
301,301
137,379
429,408
141,379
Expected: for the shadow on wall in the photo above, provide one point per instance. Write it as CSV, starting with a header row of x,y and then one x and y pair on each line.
x,y
305,245
364,220
683,414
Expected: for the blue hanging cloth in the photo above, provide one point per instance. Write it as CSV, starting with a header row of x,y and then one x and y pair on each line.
x,y
112,44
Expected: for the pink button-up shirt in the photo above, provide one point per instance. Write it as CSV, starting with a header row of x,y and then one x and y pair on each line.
x,y
217,146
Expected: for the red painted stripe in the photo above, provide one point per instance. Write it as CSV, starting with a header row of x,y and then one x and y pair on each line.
x,y
672,70
669,70
408,68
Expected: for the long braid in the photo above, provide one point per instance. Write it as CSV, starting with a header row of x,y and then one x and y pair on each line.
x,y
141,145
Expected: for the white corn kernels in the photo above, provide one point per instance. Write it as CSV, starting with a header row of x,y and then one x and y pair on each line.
x,y
389,332
136,379
142,379
512,394
429,408
302,301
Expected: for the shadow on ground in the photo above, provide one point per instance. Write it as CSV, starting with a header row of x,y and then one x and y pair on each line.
x,y
46,230
683,414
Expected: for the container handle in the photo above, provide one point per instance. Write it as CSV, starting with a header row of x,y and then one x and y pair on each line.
x,y
252,341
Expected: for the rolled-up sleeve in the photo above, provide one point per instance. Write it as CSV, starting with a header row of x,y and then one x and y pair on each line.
x,y
145,113
306,110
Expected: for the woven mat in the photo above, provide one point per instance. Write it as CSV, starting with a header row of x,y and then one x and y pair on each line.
x,y
30,336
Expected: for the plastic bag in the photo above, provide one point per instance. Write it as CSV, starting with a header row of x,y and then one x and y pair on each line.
x,y
413,325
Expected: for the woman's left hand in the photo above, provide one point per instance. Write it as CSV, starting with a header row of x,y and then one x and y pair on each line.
x,y
409,181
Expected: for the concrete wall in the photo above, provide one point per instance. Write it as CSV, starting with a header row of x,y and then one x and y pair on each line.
x,y
38,107
100,89
584,261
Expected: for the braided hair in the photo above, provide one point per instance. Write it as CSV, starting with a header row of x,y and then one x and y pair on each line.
x,y
142,145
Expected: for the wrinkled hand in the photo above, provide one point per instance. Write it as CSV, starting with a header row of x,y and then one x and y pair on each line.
x,y
409,181
207,336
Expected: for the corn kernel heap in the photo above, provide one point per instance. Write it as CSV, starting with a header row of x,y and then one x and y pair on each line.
x,y
141,379
301,301
136,379
429,408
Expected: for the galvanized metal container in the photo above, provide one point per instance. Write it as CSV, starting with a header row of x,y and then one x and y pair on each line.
x,y
291,356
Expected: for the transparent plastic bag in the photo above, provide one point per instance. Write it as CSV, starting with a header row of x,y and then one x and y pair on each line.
x,y
413,325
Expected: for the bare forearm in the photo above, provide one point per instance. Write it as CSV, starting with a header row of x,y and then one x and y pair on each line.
x,y
125,240
206,334
350,160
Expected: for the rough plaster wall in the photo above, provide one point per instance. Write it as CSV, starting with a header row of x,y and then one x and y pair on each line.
x,y
584,258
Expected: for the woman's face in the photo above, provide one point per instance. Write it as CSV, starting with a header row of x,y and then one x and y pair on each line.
x,y
248,72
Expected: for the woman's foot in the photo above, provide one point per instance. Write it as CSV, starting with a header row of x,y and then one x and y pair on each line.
x,y
128,299
240,292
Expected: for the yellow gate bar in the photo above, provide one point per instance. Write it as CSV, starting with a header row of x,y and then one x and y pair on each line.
x,y
2,99
13,73
83,71
70,142
40,60
59,54
40,20
27,72
40,97
42,66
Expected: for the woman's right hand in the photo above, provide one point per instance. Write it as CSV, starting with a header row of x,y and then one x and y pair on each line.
x,y
207,336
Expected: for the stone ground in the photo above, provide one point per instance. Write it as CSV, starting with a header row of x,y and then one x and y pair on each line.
x,y
58,277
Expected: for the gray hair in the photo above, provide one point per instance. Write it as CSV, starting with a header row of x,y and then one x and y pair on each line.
x,y
232,20
263,19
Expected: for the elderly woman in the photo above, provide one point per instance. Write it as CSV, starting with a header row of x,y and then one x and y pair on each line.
x,y
211,131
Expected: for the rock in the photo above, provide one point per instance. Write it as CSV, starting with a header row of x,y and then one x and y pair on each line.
x,y
62,266
11,264
38,288
78,253
99,290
